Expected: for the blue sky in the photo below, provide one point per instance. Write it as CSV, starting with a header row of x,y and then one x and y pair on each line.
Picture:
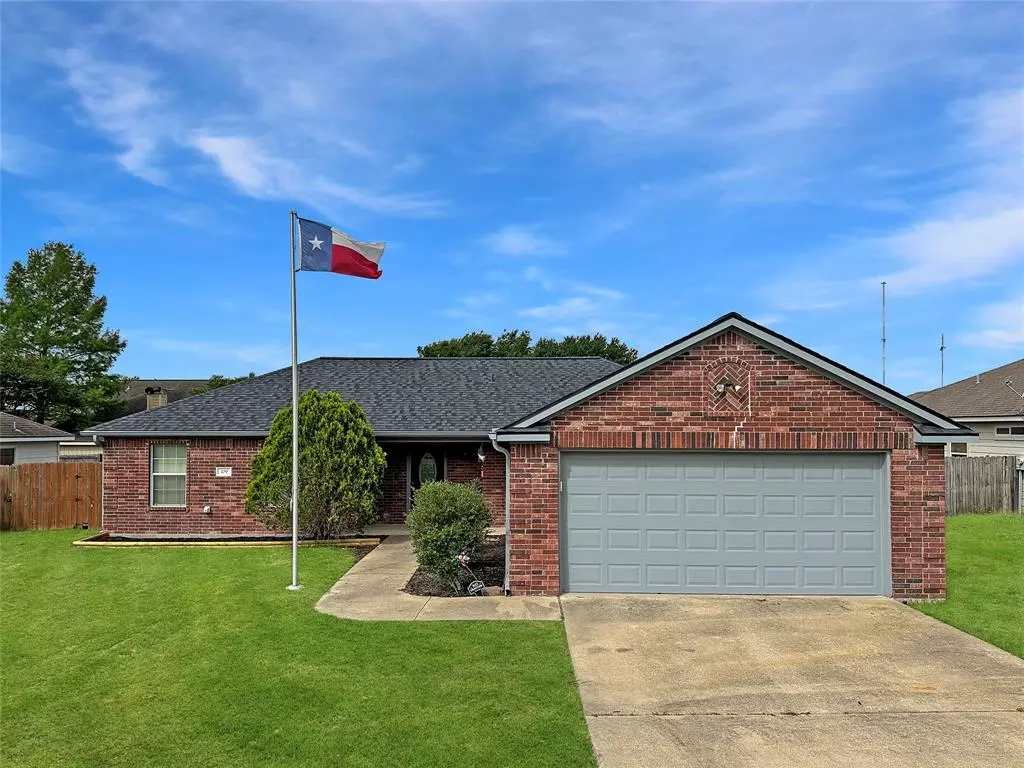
x,y
632,169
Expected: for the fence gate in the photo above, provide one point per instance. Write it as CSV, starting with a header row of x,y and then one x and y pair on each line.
x,y
40,497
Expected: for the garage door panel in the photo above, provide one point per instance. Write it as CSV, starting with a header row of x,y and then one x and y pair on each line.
x,y
744,523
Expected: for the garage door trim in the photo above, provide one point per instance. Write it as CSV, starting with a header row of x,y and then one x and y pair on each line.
x,y
885,499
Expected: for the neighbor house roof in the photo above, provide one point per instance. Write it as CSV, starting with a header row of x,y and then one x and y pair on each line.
x,y
176,389
16,428
402,397
982,396
932,426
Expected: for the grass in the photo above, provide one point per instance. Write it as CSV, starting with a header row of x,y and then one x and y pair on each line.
x,y
143,657
985,590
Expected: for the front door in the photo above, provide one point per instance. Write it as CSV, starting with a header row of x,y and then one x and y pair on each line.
x,y
426,466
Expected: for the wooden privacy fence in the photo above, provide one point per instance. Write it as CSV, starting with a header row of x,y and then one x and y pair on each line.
x,y
982,484
42,497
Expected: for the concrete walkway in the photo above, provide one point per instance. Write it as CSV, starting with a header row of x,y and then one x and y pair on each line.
x,y
372,591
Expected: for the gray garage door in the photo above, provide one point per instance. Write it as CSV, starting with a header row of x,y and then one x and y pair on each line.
x,y
725,523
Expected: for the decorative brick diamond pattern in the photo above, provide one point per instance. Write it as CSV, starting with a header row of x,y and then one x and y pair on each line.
x,y
727,373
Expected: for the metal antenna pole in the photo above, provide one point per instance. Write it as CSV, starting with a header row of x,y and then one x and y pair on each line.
x,y
942,360
883,332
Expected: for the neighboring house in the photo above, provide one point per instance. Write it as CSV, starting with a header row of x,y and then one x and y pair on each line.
x,y
23,441
987,405
80,450
733,460
143,394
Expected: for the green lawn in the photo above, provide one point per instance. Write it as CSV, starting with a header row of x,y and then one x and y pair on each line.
x,y
985,594
142,657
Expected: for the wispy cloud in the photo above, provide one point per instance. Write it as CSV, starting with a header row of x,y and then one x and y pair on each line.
x,y
121,101
22,155
259,174
264,355
971,234
515,240
998,325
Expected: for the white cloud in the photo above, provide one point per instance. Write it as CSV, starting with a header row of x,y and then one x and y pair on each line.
x,y
23,156
477,306
121,101
244,162
999,325
513,240
973,233
256,354
569,308
946,251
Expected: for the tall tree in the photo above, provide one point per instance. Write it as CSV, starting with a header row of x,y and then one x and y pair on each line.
x,y
55,354
597,345
516,343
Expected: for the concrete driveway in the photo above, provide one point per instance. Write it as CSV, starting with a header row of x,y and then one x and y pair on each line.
x,y
804,681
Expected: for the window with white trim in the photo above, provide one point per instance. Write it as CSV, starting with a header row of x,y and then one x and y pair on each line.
x,y
167,475
958,449
1011,431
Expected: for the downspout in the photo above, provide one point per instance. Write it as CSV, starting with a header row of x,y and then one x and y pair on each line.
x,y
508,523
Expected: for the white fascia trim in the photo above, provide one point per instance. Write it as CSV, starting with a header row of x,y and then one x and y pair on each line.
x,y
19,440
987,419
926,439
770,340
520,438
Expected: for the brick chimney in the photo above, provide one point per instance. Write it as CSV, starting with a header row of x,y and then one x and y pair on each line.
x,y
155,397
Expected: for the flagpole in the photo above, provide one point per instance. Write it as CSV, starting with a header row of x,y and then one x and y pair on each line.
x,y
295,416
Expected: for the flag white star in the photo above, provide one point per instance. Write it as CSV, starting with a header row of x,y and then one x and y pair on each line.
x,y
316,242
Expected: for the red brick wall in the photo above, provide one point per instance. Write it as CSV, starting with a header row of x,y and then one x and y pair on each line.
x,y
782,406
126,506
393,497
490,474
126,485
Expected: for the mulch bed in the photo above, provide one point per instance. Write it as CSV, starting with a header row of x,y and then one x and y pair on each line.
x,y
361,552
488,563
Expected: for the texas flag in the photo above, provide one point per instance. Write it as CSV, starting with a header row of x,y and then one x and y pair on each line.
x,y
325,249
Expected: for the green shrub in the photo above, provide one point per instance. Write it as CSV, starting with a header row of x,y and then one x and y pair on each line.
x,y
446,518
341,468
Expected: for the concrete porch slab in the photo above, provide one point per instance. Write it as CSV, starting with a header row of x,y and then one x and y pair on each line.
x,y
372,591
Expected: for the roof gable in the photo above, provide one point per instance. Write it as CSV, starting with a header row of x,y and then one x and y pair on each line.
x,y
769,339
401,396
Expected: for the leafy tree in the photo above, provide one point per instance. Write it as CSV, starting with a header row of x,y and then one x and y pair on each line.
x,y
341,468
517,343
217,381
55,354
587,346
478,344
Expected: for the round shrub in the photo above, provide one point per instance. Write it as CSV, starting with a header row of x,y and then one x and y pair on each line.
x,y
445,519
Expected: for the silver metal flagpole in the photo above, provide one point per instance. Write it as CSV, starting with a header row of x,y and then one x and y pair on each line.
x,y
295,417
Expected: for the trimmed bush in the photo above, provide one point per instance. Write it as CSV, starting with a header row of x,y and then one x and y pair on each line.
x,y
445,519
341,468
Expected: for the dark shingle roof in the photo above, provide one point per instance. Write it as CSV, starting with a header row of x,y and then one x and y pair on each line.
x,y
401,396
14,427
984,395
175,389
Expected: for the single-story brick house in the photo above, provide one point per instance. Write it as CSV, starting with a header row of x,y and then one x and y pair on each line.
x,y
733,460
